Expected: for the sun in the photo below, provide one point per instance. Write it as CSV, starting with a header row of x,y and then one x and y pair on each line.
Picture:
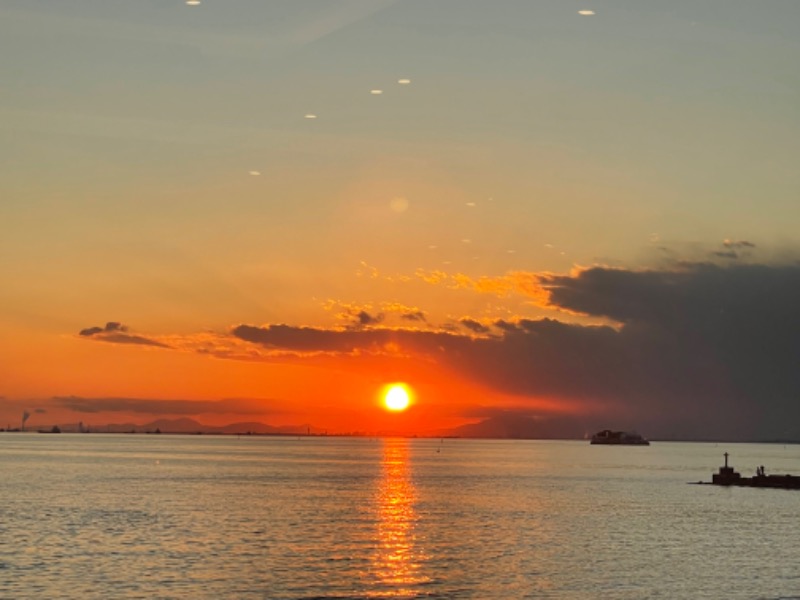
x,y
396,397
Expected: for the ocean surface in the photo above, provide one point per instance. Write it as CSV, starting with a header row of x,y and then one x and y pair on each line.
x,y
149,516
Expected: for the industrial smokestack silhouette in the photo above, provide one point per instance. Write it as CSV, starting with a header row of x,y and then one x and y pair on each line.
x,y
25,416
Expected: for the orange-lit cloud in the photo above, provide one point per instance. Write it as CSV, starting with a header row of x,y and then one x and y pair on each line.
x,y
696,340
518,282
117,333
702,337
363,315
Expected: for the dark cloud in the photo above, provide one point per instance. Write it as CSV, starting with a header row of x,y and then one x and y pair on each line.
x,y
414,316
699,350
40,411
474,325
364,319
133,339
718,343
117,333
309,339
303,339
725,254
111,326
548,358
243,406
505,325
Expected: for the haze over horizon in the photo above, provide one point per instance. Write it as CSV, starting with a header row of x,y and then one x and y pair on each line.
x,y
544,218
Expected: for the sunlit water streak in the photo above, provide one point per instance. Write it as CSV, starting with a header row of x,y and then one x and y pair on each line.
x,y
398,560
102,516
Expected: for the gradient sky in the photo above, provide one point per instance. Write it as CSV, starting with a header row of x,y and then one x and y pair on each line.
x,y
558,221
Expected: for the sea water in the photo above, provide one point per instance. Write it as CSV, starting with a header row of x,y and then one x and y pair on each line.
x,y
157,516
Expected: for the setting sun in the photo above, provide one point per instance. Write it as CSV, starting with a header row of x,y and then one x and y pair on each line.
x,y
396,397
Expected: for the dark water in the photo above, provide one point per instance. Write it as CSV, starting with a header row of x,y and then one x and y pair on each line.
x,y
101,516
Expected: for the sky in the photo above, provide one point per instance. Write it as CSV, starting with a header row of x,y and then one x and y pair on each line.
x,y
544,217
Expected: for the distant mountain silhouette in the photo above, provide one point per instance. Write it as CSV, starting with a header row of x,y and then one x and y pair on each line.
x,y
187,425
515,426
504,425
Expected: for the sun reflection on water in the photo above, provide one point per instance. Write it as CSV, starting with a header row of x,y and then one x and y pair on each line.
x,y
398,560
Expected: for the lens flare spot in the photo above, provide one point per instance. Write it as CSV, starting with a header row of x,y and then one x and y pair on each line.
x,y
399,204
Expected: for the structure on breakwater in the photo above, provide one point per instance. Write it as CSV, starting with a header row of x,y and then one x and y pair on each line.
x,y
728,476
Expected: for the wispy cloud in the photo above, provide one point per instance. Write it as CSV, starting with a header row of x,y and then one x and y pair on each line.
x,y
330,18
738,244
117,333
516,282
734,249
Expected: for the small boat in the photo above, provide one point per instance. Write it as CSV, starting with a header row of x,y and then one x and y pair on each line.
x,y
728,476
619,438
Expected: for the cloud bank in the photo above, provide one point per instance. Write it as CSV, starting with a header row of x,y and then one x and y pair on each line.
x,y
695,350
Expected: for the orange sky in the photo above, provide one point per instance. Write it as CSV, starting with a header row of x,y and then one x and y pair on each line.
x,y
544,217
333,393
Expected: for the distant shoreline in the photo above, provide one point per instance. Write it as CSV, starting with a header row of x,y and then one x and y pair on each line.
x,y
100,431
